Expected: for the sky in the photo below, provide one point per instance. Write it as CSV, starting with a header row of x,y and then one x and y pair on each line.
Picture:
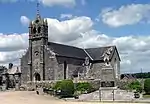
x,y
80,23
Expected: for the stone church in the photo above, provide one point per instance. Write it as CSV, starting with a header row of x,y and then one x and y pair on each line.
x,y
45,61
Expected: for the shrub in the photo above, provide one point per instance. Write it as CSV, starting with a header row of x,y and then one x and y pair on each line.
x,y
135,85
84,87
147,86
66,87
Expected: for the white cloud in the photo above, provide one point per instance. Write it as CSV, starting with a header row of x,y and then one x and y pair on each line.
x,y
12,47
78,31
126,15
68,30
66,16
24,20
66,3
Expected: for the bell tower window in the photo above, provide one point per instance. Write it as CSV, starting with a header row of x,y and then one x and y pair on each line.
x,y
34,30
39,29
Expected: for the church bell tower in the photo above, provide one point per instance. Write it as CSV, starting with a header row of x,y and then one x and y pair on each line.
x,y
38,40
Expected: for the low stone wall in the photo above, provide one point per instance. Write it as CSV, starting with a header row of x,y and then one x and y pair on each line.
x,y
37,84
94,83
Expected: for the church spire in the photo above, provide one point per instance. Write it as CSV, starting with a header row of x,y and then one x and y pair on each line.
x,y
38,11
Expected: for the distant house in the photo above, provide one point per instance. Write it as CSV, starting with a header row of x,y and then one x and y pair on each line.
x,y
11,77
128,77
2,69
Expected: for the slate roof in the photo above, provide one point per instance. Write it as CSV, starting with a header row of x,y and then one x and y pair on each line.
x,y
68,51
97,53
74,52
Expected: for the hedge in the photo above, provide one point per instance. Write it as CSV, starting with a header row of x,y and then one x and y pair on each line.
x,y
66,87
147,86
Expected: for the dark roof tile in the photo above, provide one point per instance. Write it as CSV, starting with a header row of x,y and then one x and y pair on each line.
x,y
71,51
68,51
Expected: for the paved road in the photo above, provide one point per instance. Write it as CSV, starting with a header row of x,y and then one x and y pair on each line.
x,y
25,97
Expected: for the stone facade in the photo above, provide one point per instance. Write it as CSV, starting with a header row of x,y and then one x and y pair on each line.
x,y
52,61
11,77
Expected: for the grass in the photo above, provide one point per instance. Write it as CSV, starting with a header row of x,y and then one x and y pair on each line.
x,y
146,96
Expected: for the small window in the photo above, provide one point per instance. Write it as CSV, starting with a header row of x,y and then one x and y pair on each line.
x,y
36,53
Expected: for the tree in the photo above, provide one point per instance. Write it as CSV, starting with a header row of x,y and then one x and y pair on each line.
x,y
135,85
147,86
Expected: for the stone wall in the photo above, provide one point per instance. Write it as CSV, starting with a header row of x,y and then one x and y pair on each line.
x,y
95,70
115,61
25,68
72,65
51,66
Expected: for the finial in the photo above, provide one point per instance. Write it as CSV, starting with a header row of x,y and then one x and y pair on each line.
x,y
38,13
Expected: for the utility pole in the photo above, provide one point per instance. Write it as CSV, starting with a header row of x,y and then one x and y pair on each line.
x,y
113,95
142,79
100,94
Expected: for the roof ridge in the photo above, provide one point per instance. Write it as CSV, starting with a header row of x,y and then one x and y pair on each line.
x,y
64,45
102,47
88,54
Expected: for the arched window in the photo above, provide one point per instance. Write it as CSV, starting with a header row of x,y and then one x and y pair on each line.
x,y
37,77
39,29
34,30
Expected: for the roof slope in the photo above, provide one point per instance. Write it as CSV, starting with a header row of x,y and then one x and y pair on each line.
x,y
74,52
97,53
68,51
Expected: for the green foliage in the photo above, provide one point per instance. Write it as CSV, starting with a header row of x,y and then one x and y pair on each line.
x,y
135,85
66,87
84,87
147,86
57,86
141,75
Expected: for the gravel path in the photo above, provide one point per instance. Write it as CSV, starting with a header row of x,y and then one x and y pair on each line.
x,y
25,97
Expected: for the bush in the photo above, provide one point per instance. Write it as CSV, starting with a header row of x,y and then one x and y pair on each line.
x,y
84,87
147,86
66,87
136,85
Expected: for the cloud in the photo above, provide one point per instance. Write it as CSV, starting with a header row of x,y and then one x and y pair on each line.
x,y
126,15
71,29
12,47
134,50
66,16
66,3
24,20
